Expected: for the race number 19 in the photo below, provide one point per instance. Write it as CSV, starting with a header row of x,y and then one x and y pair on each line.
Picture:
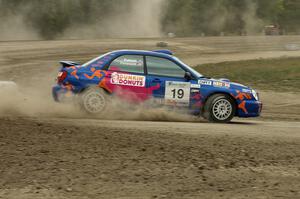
x,y
177,93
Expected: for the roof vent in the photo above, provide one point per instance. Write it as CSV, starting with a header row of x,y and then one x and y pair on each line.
x,y
168,52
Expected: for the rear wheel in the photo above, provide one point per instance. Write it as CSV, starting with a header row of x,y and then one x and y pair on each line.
x,y
219,108
93,100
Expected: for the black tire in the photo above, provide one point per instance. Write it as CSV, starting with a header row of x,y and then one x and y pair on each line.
x,y
219,108
93,100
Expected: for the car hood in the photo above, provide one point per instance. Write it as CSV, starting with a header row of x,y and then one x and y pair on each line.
x,y
234,84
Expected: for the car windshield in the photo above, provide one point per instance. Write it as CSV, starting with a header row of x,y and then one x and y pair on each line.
x,y
93,60
198,75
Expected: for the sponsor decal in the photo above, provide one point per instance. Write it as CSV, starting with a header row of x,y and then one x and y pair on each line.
x,y
221,84
127,79
195,86
177,93
195,91
205,82
130,62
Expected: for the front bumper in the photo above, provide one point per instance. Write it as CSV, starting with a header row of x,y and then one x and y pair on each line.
x,y
249,108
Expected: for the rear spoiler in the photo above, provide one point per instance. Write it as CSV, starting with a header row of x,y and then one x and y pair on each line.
x,y
68,63
164,51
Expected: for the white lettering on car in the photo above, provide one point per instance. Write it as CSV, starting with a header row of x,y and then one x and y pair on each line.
x,y
221,84
205,82
127,79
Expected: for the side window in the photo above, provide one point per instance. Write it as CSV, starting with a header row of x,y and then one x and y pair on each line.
x,y
128,63
163,67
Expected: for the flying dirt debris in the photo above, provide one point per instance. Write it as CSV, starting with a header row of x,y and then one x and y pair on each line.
x,y
8,86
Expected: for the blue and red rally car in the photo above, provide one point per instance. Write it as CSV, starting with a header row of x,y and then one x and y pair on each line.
x,y
137,76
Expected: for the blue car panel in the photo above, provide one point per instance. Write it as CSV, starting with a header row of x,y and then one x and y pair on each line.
x,y
190,90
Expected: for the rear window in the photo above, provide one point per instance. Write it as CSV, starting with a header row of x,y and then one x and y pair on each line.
x,y
128,63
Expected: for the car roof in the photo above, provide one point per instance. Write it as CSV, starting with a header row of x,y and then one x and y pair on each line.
x,y
159,53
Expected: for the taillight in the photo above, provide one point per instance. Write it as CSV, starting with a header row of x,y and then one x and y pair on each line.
x,y
61,76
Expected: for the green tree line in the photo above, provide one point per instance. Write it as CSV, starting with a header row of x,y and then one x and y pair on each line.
x,y
210,17
182,17
52,17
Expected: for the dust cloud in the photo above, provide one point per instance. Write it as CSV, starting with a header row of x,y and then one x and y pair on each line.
x,y
132,19
147,111
253,24
140,18
13,27
129,19
31,102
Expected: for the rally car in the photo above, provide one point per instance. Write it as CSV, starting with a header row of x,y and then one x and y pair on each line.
x,y
137,76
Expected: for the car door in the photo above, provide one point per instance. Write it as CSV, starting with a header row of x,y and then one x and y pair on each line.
x,y
126,77
168,79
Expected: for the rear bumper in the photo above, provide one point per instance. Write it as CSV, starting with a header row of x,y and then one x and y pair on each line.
x,y
249,108
55,92
62,93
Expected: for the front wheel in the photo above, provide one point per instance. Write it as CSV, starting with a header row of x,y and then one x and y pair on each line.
x,y
93,100
219,108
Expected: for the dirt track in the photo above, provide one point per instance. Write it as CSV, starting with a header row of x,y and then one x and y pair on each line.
x,y
47,152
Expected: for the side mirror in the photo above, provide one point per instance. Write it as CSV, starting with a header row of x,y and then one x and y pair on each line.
x,y
188,76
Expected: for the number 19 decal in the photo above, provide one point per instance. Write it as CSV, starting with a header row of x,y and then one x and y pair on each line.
x,y
177,93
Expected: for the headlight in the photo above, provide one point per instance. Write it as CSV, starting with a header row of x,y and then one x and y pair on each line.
x,y
255,94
